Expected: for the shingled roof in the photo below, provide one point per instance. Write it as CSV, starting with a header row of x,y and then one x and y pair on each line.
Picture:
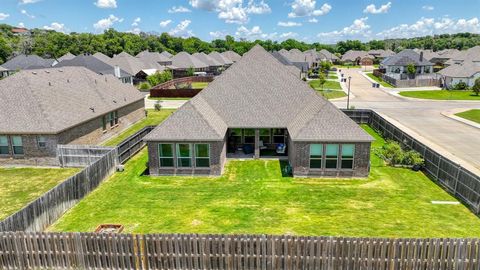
x,y
184,60
48,101
21,62
353,55
211,62
220,58
405,58
329,55
464,70
233,56
153,56
94,64
259,92
133,65
166,54
67,56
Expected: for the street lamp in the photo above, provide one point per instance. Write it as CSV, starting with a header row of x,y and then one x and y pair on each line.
x,y
348,97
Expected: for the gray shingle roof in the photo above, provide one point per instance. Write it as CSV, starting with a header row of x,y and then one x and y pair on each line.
x,y
166,54
153,56
405,58
184,60
258,92
284,60
22,61
233,56
464,70
472,54
48,101
353,55
381,53
329,55
94,64
133,65
220,58
211,62
67,56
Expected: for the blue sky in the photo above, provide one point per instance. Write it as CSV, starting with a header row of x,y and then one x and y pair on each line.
x,y
307,20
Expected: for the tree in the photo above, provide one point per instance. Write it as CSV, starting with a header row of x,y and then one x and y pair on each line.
x,y
411,69
476,87
190,71
159,77
321,80
325,66
5,50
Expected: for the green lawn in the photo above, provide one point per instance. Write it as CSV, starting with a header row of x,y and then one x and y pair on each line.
x,y
20,186
332,94
379,80
199,85
253,197
332,77
328,85
472,115
346,66
441,94
154,118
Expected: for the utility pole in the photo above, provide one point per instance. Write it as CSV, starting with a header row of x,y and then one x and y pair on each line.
x,y
348,97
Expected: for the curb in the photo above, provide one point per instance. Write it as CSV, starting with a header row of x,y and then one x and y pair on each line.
x,y
451,115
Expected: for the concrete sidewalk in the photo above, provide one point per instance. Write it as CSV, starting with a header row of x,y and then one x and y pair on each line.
x,y
165,104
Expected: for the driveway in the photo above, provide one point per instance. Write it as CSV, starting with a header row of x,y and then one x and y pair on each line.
x,y
422,119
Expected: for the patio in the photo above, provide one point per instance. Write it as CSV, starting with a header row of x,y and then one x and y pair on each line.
x,y
257,143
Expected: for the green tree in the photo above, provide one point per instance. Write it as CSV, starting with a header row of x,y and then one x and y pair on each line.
x,y
411,69
190,71
321,80
476,87
5,50
159,78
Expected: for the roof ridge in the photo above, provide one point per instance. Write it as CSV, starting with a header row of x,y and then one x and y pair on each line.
x,y
207,119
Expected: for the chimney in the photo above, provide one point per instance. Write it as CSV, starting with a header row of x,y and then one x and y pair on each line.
x,y
421,56
117,71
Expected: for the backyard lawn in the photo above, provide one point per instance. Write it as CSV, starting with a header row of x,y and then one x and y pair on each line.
x,y
379,80
20,186
472,115
154,118
442,94
253,197
332,94
315,84
199,85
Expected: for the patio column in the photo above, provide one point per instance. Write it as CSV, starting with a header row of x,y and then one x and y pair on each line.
x,y
257,143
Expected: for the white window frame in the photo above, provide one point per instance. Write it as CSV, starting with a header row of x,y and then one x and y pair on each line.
x,y
41,142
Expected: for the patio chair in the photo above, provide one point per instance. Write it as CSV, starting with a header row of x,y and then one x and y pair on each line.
x,y
261,145
281,148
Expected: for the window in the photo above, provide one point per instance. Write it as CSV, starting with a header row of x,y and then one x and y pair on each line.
x,y
104,123
115,117
112,119
202,155
4,145
166,155
184,155
331,156
236,135
17,144
249,135
347,156
316,154
278,135
42,142
265,135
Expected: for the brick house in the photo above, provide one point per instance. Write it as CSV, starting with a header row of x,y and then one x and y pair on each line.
x,y
71,105
259,109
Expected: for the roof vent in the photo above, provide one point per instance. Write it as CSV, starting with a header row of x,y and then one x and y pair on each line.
x,y
60,70
46,71
95,81
68,80
49,84
114,101
124,99
92,109
105,78
34,72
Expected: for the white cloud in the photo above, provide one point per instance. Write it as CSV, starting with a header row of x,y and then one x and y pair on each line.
x,y
359,29
179,9
218,34
232,11
289,24
135,31
372,9
24,12
106,23
288,35
254,33
302,8
181,30
164,24
55,26
3,16
136,21
106,3
431,26
312,20
21,25
25,2
428,8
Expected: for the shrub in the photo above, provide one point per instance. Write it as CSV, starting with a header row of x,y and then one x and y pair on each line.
x,y
159,77
190,71
413,158
476,87
144,86
157,106
393,154
460,86
411,69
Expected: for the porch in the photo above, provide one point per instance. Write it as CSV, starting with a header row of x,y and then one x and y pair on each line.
x,y
257,143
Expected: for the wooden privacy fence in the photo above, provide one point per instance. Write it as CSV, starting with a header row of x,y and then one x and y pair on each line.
x,y
458,181
130,146
42,212
80,155
127,251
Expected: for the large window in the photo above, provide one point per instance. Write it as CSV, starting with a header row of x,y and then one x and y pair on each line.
x,y
112,119
236,135
184,155
166,155
4,145
202,155
42,142
249,136
17,145
278,135
348,151
115,117
104,123
331,156
316,154
265,135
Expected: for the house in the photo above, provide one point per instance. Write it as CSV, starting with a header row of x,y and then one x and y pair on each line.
x,y
102,57
159,58
232,56
438,58
298,61
94,64
43,108
214,66
300,71
25,62
357,58
184,61
330,56
467,72
20,31
67,56
221,59
380,54
135,66
166,54
472,54
398,63
258,108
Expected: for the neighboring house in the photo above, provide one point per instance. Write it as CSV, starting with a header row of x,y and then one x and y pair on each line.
x,y
472,54
19,31
159,58
467,72
221,59
330,56
214,66
184,61
300,71
260,108
136,66
357,58
166,54
67,56
43,108
102,57
94,64
232,56
398,63
299,62
380,54
438,58
26,62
